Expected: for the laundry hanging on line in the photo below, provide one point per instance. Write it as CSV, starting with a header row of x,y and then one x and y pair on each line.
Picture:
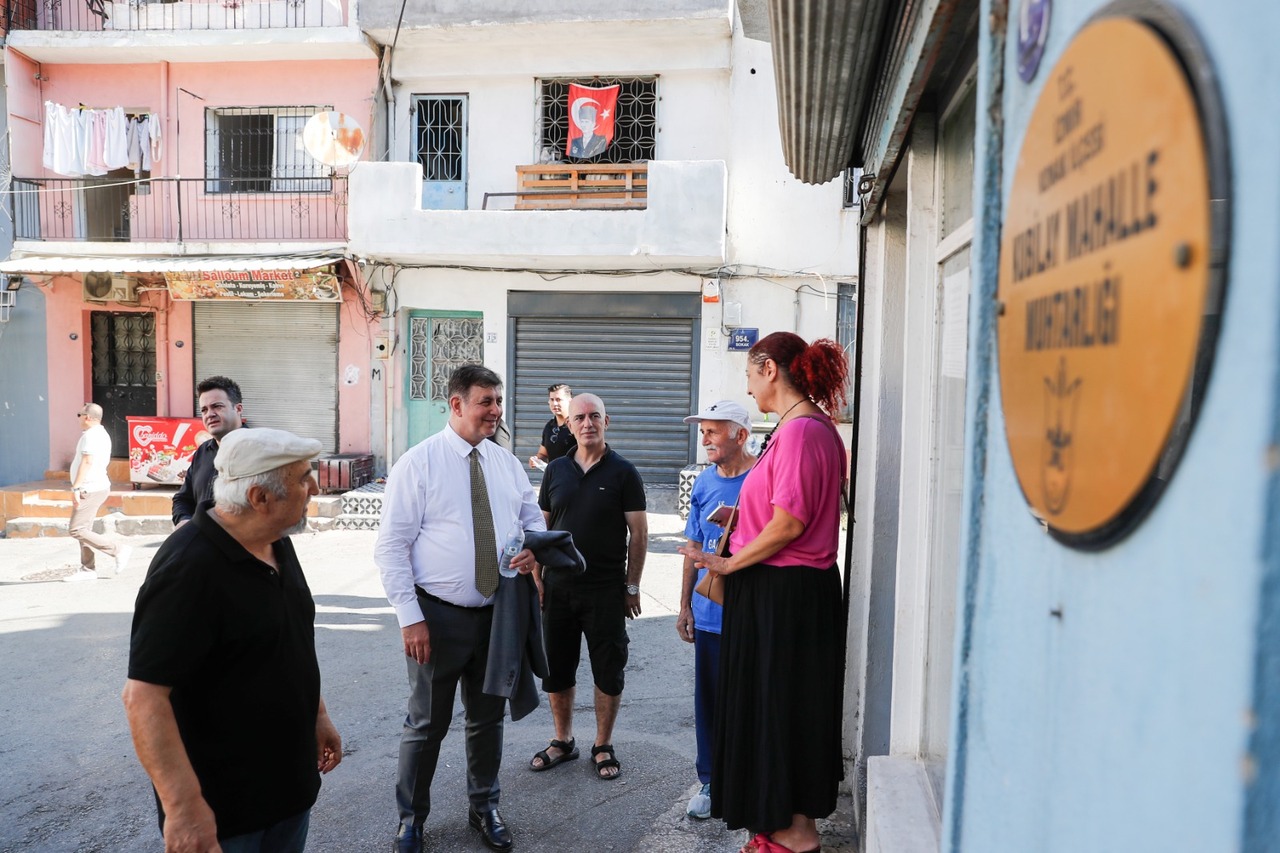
x,y
79,141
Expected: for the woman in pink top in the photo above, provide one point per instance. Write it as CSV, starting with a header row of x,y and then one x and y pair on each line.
x,y
776,761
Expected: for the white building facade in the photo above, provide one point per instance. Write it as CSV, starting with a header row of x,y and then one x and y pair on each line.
x,y
630,274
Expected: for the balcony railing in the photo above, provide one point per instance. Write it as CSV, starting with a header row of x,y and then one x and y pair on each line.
x,y
180,209
135,15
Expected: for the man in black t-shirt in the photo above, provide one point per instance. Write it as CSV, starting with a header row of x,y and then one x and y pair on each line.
x,y
557,438
223,693
597,496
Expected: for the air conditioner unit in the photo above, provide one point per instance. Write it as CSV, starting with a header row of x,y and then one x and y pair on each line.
x,y
109,287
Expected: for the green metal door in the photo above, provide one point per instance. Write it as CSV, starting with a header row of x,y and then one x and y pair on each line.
x,y
439,342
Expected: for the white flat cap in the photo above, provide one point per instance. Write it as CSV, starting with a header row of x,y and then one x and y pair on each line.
x,y
725,410
249,452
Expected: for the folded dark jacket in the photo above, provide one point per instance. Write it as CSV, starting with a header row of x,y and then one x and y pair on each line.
x,y
554,549
516,654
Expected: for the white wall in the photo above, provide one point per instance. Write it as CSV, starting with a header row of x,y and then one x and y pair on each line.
x,y
786,245
774,220
713,107
693,115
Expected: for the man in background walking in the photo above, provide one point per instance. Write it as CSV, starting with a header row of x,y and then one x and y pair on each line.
x,y
90,486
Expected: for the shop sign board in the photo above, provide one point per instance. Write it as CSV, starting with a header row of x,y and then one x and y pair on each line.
x,y
1108,286
282,285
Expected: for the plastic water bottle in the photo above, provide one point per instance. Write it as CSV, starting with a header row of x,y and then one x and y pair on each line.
x,y
513,546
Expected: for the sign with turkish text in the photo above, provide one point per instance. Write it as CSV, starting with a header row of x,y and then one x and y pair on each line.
x,y
284,285
743,339
1105,282
591,117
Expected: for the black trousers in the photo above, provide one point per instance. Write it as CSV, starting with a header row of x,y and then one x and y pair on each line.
x,y
459,649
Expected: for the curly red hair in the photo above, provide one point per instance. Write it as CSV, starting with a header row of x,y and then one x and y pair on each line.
x,y
818,370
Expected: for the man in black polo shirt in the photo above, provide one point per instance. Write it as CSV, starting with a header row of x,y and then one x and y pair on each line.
x,y
223,695
597,496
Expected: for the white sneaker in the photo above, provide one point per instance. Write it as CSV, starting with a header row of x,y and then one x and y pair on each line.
x,y
700,803
80,576
123,553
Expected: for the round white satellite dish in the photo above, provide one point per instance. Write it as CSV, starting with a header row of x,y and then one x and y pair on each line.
x,y
334,139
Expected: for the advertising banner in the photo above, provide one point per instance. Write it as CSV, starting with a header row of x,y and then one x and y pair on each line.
x,y
160,449
280,285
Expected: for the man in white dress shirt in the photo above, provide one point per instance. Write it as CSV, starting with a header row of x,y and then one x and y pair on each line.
x,y
434,574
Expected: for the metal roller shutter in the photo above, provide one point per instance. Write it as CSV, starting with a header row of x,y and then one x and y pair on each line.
x,y
284,357
642,368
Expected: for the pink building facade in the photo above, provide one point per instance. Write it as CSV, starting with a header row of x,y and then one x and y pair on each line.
x,y
222,250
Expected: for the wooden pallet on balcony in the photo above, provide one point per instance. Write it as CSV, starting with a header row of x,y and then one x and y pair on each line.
x,y
582,186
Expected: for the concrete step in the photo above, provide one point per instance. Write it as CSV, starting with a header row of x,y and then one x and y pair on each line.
x,y
44,508
35,528
110,524
143,525
149,502
39,508
325,506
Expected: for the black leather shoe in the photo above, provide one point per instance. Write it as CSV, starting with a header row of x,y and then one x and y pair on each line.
x,y
493,832
409,839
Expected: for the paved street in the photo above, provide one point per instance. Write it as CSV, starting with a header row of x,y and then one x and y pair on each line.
x,y
69,780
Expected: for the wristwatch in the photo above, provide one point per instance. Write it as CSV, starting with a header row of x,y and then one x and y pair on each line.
x,y
633,589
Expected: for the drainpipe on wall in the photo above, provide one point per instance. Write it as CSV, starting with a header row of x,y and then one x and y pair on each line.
x,y
161,307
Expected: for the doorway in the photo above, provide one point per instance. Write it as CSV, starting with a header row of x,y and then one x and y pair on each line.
x,y
439,343
123,346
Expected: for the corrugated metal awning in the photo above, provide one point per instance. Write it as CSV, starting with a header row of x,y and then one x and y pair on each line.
x,y
824,59
63,264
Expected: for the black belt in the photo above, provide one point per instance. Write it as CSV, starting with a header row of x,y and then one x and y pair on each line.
x,y
438,600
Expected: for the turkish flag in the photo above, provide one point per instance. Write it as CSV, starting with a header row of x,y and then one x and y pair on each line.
x,y
591,113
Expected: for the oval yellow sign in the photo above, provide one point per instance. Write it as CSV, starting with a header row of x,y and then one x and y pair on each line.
x,y
1104,278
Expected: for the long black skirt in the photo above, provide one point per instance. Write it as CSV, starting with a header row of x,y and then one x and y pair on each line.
x,y
777,725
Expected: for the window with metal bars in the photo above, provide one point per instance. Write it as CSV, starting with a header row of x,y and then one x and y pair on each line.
x,y
635,125
847,334
441,130
260,150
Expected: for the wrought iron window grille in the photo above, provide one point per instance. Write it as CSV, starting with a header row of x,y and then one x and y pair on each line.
x,y
260,150
635,126
123,350
441,133
439,346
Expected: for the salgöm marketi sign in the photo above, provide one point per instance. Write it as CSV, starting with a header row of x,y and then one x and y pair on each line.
x,y
273,285
1111,275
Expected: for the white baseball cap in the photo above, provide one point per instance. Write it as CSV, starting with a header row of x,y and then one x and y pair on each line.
x,y
725,410
249,452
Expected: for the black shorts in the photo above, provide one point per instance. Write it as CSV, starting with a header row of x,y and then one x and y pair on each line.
x,y
570,611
